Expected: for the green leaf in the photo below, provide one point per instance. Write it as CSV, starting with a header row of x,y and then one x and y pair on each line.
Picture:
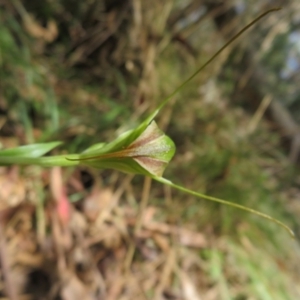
x,y
30,151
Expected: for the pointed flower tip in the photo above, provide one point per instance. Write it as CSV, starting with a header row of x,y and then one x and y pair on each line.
x,y
149,154
153,150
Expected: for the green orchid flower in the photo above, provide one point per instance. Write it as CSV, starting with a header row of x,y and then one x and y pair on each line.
x,y
145,150
148,154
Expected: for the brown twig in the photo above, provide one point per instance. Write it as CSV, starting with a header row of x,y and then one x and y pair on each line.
x,y
138,225
4,260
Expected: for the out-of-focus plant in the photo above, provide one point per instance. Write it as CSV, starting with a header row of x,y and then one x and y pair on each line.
x,y
145,150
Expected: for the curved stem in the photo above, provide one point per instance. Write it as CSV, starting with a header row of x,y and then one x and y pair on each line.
x,y
250,210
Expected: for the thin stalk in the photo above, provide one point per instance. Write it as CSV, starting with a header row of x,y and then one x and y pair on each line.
x,y
47,161
182,85
250,210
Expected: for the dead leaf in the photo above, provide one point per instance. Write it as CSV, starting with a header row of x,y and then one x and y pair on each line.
x,y
162,242
74,289
99,201
189,289
48,34
12,189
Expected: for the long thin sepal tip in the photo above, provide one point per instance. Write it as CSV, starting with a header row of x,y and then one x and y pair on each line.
x,y
228,203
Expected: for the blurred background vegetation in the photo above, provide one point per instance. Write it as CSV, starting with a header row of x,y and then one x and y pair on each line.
x,y
85,71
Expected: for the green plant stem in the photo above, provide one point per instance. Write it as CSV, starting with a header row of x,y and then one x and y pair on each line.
x,y
47,161
250,210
